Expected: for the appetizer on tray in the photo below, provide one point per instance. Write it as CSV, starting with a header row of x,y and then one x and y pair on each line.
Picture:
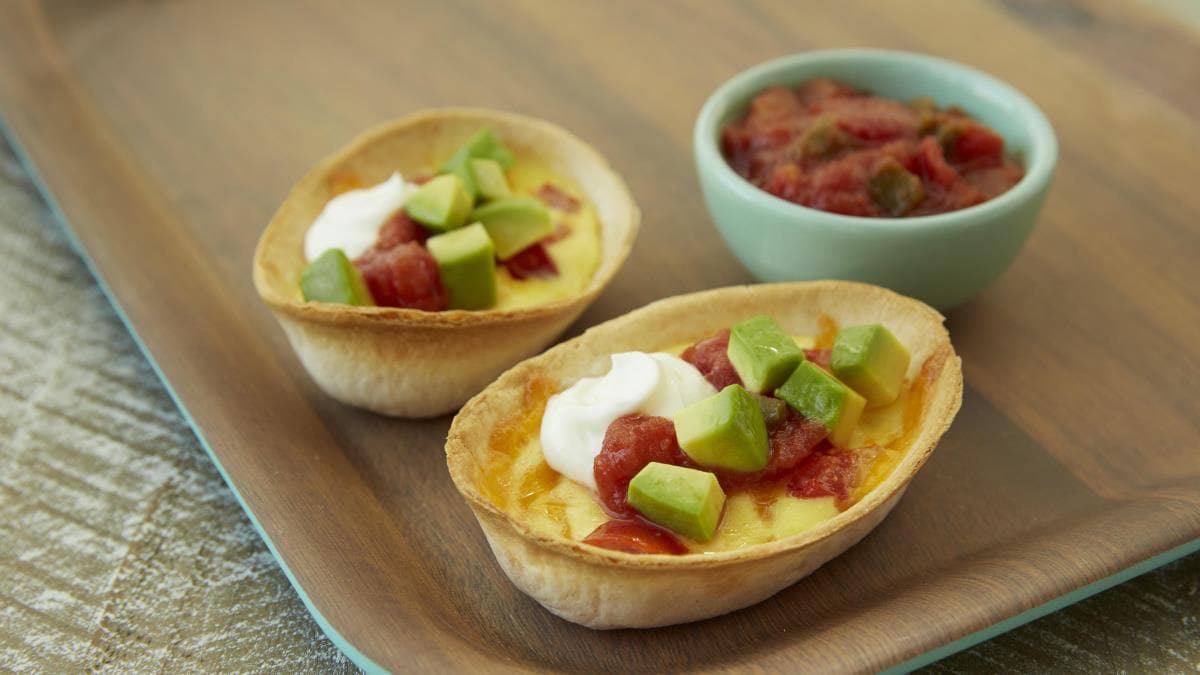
x,y
412,267
700,454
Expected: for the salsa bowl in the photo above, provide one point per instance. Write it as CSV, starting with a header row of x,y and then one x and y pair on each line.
x,y
409,362
941,259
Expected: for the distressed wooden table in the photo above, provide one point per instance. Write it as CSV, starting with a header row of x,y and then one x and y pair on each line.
x,y
121,548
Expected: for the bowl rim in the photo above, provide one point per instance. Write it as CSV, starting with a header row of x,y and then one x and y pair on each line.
x,y
375,316
738,89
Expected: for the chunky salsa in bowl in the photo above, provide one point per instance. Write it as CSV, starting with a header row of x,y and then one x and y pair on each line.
x,y
830,146
893,168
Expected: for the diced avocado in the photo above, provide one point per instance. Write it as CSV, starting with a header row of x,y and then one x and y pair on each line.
x,y
441,204
489,178
819,396
466,262
895,190
872,361
482,145
460,165
685,501
762,353
514,223
332,278
724,431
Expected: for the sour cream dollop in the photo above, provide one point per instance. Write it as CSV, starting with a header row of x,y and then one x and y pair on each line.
x,y
577,418
351,221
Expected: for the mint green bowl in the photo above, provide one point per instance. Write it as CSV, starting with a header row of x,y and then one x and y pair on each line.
x,y
942,259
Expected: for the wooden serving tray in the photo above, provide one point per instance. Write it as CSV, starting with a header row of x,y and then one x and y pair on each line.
x,y
166,133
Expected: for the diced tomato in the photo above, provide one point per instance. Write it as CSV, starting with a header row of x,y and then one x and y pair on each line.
x,y
405,275
975,143
710,358
931,165
774,104
531,262
557,199
400,229
826,472
820,357
874,119
788,181
635,536
630,443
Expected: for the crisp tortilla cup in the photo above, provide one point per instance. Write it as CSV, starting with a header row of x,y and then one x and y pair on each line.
x,y
599,588
413,363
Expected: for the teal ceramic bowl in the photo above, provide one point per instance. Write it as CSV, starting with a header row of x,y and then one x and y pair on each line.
x,y
941,259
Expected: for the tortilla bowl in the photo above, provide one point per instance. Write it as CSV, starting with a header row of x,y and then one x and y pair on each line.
x,y
409,362
600,588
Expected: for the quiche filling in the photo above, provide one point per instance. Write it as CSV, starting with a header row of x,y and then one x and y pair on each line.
x,y
743,438
480,231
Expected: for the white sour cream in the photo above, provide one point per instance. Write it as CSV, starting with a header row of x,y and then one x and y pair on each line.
x,y
351,221
576,419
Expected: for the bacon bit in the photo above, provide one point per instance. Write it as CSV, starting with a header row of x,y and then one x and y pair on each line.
x,y
404,276
400,229
710,358
557,199
635,536
561,231
630,443
534,261
819,357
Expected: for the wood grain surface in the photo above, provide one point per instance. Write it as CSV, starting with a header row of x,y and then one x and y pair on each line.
x,y
168,132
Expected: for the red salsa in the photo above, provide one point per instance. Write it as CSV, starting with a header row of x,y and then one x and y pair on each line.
x,y
832,147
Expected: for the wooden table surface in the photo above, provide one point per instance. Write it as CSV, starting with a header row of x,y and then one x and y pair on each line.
x,y
125,551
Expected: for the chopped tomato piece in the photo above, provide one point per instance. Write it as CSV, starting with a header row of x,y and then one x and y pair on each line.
x,y
534,261
555,198
630,443
400,229
826,472
405,275
710,358
976,142
820,357
635,536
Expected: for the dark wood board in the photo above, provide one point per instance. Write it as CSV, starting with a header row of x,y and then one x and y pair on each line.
x,y
168,132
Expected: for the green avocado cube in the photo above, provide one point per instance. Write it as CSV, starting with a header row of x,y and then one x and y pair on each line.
x,y
466,262
685,501
441,204
872,361
483,144
460,165
724,431
819,396
332,278
762,353
489,178
514,223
